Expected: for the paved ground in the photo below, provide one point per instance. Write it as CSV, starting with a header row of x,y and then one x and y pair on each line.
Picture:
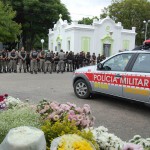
x,y
123,118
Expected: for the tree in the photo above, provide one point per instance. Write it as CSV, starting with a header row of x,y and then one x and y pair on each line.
x,y
87,21
9,29
131,14
36,17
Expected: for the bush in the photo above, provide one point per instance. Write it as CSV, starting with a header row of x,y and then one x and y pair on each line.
x,y
59,128
16,117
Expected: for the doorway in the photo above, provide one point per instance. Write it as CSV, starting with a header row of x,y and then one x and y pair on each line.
x,y
106,50
59,46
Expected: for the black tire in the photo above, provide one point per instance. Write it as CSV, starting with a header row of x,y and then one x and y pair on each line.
x,y
81,89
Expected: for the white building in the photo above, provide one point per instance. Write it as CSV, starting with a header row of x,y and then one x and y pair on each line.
x,y
103,36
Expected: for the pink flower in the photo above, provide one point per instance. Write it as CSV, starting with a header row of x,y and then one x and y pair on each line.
x,y
131,146
65,107
71,112
51,116
84,123
59,111
79,110
86,110
72,117
71,104
54,105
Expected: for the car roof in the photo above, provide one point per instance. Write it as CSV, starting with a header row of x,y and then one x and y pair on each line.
x,y
137,51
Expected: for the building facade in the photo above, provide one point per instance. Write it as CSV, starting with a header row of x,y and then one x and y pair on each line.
x,y
102,37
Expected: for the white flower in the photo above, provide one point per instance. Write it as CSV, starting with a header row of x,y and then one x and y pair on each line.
x,y
12,102
107,140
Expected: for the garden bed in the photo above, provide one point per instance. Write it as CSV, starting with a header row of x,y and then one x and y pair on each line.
x,y
61,122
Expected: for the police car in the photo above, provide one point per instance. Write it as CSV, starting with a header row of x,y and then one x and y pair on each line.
x,y
126,75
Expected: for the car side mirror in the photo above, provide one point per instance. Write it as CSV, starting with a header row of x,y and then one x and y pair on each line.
x,y
99,66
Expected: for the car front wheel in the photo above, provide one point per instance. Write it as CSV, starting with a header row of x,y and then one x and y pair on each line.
x,y
81,89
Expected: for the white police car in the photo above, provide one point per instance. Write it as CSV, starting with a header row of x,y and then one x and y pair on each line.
x,y
126,75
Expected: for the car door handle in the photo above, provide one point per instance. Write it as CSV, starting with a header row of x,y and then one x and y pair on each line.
x,y
118,76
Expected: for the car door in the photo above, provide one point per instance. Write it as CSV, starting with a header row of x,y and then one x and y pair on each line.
x,y
137,80
109,79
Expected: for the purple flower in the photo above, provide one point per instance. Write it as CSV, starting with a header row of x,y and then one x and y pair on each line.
x,y
131,146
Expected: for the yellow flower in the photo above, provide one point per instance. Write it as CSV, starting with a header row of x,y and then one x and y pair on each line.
x,y
74,142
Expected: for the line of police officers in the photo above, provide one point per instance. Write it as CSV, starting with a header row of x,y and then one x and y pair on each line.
x,y
42,61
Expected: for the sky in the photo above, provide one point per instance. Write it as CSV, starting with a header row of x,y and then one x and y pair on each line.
x,y
85,8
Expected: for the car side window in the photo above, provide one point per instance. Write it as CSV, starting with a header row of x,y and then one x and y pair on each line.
x,y
142,63
117,63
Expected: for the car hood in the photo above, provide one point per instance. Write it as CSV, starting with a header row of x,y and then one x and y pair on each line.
x,y
86,69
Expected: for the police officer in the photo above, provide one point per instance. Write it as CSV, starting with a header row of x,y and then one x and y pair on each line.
x,y
56,60
88,58
81,60
7,60
42,60
93,59
34,57
52,62
22,59
103,57
13,61
4,57
61,57
98,58
70,61
48,62
28,61
76,61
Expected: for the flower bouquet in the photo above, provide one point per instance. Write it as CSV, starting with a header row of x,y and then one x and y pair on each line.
x,y
54,111
71,142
